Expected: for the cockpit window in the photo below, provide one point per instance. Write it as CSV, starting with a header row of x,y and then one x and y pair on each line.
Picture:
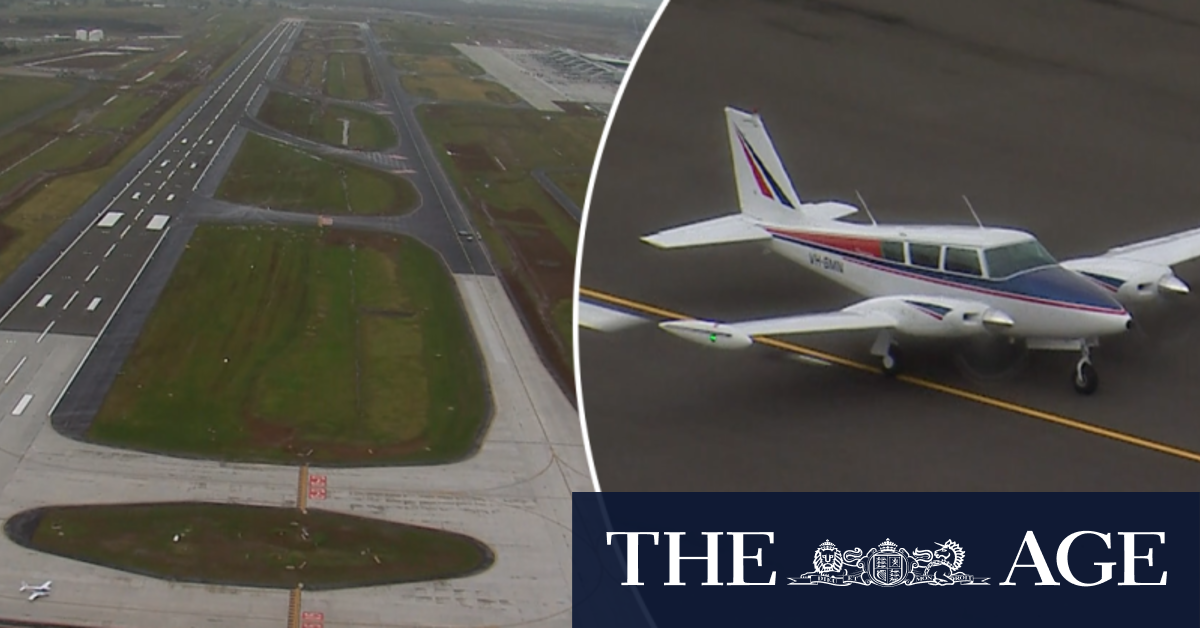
x,y
1005,261
963,261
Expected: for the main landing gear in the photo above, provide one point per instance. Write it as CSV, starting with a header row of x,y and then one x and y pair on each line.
x,y
890,356
1085,378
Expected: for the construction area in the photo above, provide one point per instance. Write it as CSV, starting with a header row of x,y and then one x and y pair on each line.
x,y
544,78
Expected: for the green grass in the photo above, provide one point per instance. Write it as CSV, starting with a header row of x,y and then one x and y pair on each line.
x,y
312,120
348,76
68,152
256,546
22,95
305,70
272,174
329,347
124,112
574,183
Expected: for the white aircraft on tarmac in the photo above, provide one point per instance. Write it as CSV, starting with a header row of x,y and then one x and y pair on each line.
x,y
36,591
926,280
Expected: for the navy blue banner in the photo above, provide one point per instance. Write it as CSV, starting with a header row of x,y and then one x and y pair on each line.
x,y
661,560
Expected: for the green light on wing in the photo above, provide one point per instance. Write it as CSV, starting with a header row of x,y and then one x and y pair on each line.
x,y
712,337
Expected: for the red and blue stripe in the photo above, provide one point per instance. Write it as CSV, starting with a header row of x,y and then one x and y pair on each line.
x,y
766,182
1050,285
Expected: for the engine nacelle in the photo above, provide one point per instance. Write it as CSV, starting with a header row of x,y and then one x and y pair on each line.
x,y
1131,281
937,317
708,333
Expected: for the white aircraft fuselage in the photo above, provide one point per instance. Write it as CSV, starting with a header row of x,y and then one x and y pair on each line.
x,y
1046,301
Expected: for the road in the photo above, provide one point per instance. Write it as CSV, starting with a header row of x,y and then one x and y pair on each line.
x,y
1076,121
76,309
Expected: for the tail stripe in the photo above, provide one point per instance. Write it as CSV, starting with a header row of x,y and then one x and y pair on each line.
x,y
760,170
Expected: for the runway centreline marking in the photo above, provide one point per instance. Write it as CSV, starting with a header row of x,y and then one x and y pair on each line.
x,y
1000,404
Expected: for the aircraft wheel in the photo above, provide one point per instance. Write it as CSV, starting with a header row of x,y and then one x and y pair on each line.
x,y
891,362
1085,378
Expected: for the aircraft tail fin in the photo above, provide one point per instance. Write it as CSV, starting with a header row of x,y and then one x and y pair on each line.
x,y
764,187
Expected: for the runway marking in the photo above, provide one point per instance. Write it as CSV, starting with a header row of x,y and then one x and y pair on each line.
x,y
44,332
45,300
89,277
302,490
126,230
294,608
110,249
139,214
71,300
92,306
312,619
15,369
317,487
1000,404
22,404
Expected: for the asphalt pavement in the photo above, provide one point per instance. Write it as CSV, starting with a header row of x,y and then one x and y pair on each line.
x,y
1075,120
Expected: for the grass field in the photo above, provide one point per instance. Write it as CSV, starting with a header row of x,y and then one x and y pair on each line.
x,y
318,346
458,89
272,174
256,546
436,65
305,70
312,120
574,183
22,95
348,76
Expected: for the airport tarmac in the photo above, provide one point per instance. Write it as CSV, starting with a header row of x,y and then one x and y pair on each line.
x,y
513,494
1073,120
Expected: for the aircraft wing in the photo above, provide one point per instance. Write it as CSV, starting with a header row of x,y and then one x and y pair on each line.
x,y
1166,251
739,335
600,318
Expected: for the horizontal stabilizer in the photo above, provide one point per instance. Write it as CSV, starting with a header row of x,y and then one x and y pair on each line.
x,y
829,210
724,230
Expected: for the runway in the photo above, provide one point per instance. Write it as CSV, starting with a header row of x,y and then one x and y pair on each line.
x,y
1074,121
77,307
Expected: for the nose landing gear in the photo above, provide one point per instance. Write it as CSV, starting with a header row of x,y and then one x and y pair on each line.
x,y
1085,378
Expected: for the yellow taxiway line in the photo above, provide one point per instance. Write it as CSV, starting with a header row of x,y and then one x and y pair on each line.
x,y
294,608
1000,404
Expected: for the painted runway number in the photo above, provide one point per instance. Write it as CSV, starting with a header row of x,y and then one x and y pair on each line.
x,y
316,487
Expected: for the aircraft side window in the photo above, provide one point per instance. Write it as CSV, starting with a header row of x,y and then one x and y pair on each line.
x,y
893,251
965,261
927,255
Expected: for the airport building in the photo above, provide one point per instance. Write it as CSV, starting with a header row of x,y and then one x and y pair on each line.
x,y
83,34
545,77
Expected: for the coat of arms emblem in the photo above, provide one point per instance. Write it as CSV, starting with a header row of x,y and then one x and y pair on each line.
x,y
888,565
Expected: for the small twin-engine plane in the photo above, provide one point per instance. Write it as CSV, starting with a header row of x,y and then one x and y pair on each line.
x,y
955,282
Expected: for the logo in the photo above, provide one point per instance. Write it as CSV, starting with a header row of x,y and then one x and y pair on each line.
x,y
888,565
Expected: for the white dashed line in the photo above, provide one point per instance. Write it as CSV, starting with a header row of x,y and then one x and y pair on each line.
x,y
110,249
21,405
14,371
70,300
89,277
44,332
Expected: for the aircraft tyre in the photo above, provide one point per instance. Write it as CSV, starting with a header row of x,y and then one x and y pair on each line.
x,y
1085,378
891,362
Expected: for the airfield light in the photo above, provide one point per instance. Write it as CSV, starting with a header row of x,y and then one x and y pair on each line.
x,y
712,337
